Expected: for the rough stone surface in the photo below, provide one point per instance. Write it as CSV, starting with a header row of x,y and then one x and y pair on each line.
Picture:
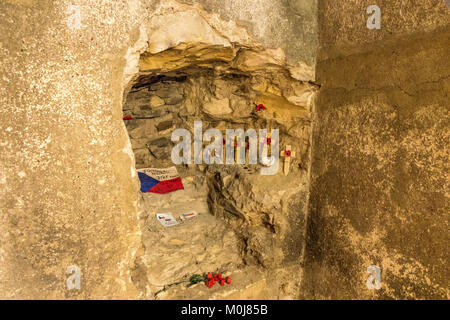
x,y
343,24
290,25
218,107
201,244
156,101
269,214
68,185
273,25
379,193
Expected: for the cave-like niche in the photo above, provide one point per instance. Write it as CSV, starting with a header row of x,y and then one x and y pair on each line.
x,y
249,225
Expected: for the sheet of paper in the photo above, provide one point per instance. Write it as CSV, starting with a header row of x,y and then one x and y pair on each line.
x,y
166,219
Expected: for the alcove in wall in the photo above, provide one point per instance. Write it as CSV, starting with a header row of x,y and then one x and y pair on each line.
x,y
249,224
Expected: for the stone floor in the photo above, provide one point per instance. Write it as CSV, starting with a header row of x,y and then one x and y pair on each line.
x,y
198,245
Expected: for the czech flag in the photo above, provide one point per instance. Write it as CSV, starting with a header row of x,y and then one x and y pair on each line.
x,y
160,180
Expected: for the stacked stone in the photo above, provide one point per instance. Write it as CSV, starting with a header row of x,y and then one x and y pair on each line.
x,y
154,110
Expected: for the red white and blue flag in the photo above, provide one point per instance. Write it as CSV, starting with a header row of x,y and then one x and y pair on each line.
x,y
160,180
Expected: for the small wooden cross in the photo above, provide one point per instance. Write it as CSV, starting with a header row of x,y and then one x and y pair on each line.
x,y
217,155
224,148
208,153
287,154
212,153
267,141
238,146
247,150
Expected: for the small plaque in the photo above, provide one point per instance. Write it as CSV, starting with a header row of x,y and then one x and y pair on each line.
x,y
189,215
166,219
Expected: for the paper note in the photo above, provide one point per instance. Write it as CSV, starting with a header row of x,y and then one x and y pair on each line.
x,y
166,219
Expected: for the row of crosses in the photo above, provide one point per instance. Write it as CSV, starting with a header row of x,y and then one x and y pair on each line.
x,y
287,153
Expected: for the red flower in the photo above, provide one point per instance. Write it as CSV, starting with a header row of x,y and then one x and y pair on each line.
x,y
127,118
287,153
260,107
235,144
268,141
213,278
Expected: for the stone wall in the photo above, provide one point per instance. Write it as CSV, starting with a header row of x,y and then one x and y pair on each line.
x,y
287,24
379,194
69,188
69,191
380,166
155,110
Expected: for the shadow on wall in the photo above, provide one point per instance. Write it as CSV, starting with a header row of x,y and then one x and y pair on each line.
x,y
380,154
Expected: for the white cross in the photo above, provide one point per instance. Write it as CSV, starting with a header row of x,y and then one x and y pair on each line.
x,y
238,146
287,154
266,143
